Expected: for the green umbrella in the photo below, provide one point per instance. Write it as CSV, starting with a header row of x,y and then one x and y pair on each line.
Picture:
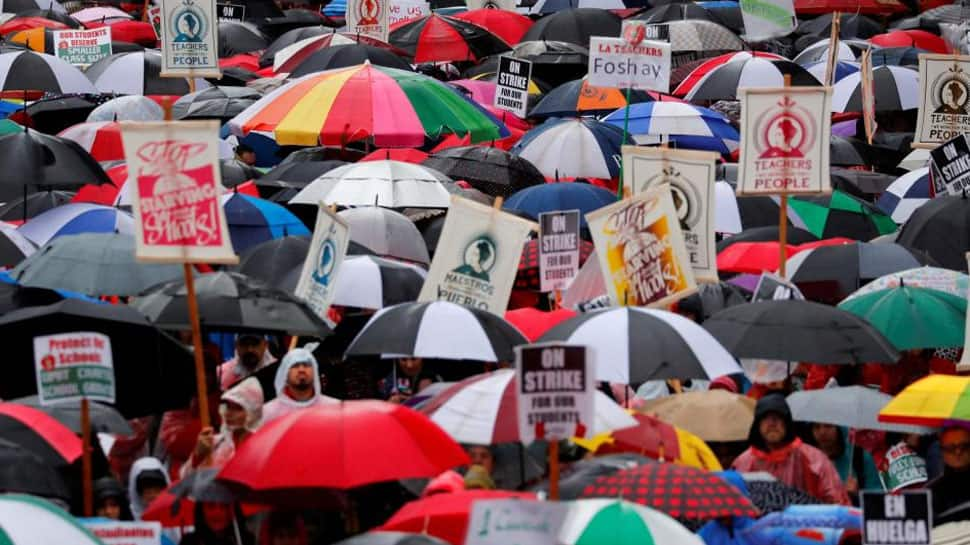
x,y
839,215
913,318
7,127
24,518
618,522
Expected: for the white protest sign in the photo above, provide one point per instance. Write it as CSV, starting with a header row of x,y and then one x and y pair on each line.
x,y
944,108
125,533
368,18
900,518
613,62
766,19
82,47
401,10
691,177
512,85
519,522
317,283
190,39
558,249
556,386
71,366
785,136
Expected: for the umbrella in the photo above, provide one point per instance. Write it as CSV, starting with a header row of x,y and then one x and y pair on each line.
x,y
945,280
907,193
232,302
27,70
941,228
868,7
733,214
101,139
712,415
851,25
682,492
291,54
14,247
676,12
602,521
76,218
221,103
51,115
578,98
483,410
930,401
575,26
386,233
373,283
35,159
153,372
393,184
684,124
493,171
136,73
723,82
855,407
286,179
915,160
234,172
695,38
538,199
897,56
42,435
860,183
393,108
794,330
439,38
19,6
752,257
912,38
236,38
127,108
533,323
846,267
770,495
94,264
839,215
13,296
23,472
437,330
553,62
104,418
648,437
895,88
277,262
571,148
842,70
24,208
793,235
392,538
343,56
100,14
913,318
707,65
351,440
252,221
848,50
445,516
507,25
633,345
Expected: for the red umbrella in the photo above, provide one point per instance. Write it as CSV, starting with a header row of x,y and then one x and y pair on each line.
x,y
912,38
508,25
697,74
445,516
650,437
102,139
865,7
26,23
105,193
439,38
247,61
341,446
752,257
407,155
39,433
533,323
136,32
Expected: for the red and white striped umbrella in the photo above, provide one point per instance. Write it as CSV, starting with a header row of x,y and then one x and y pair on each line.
x,y
102,139
709,65
483,410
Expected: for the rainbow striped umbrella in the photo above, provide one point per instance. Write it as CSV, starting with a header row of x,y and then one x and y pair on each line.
x,y
390,107
930,401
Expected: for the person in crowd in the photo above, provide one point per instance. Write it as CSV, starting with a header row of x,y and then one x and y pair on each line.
x,y
147,480
252,354
407,378
855,466
283,528
482,456
241,411
297,386
217,524
109,499
728,530
246,155
951,490
774,448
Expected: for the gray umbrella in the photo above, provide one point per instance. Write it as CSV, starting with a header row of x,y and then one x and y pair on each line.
x,y
93,264
386,233
214,103
851,406
104,419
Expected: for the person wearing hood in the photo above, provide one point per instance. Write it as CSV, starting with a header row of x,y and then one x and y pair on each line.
x,y
241,411
147,480
855,466
774,448
297,386
109,499
728,530
252,354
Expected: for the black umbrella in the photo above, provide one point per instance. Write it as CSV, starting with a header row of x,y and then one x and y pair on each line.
x,y
235,76
941,228
292,19
580,474
897,56
14,247
153,371
676,12
231,302
52,115
864,184
723,82
52,15
575,26
422,38
845,268
260,9
221,103
793,235
490,170
235,172
15,296
713,298
341,56
276,262
236,38
796,330
104,418
848,152
289,38
36,203
22,472
851,25
771,495
758,211
33,159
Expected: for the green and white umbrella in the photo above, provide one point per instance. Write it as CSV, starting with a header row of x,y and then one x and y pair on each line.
x,y
28,520
913,318
617,522
952,282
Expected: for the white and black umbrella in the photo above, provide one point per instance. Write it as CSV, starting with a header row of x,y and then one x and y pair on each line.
x,y
437,330
374,282
28,70
236,38
895,88
694,35
634,345
849,50
723,82
137,73
392,184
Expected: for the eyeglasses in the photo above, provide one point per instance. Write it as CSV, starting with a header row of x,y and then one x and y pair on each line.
x,y
955,448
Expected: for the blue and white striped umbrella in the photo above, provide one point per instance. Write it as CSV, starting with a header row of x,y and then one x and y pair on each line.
x,y
76,218
905,195
567,148
684,125
252,221
842,69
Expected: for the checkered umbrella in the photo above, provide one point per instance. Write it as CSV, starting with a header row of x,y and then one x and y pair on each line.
x,y
905,195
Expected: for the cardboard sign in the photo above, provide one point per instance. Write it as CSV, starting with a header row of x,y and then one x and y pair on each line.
x,y
71,366
950,166
82,47
691,177
772,287
766,19
512,85
944,108
556,385
318,280
903,467
641,251
558,249
785,136
901,518
502,522
402,10
175,184
231,12
477,257
190,39
124,533
614,62
368,18
155,18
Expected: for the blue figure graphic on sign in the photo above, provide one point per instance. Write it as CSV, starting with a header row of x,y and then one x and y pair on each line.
x,y
189,25
322,272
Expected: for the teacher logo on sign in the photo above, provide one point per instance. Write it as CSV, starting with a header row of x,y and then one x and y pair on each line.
x,y
787,132
479,258
368,12
188,24
950,94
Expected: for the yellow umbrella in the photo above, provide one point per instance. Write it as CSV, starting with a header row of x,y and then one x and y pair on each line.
x,y
930,401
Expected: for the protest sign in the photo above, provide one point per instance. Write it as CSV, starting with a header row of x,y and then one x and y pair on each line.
x,y
114,532
556,385
691,176
512,85
175,185
508,5
950,166
504,522
477,257
944,108
558,249
82,47
231,12
772,287
785,136
641,251
71,366
190,39
766,19
331,236
903,467
400,10
368,18
868,95
615,62
900,518
155,18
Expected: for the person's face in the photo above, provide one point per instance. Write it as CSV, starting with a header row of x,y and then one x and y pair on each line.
x,y
300,376
109,508
481,456
149,493
248,157
772,429
217,515
955,445
411,366
251,351
234,415
285,536
825,434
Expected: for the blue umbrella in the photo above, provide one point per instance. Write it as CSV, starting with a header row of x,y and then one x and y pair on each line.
x,y
76,218
573,148
336,8
252,221
686,125
265,147
897,56
905,195
560,196
842,69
